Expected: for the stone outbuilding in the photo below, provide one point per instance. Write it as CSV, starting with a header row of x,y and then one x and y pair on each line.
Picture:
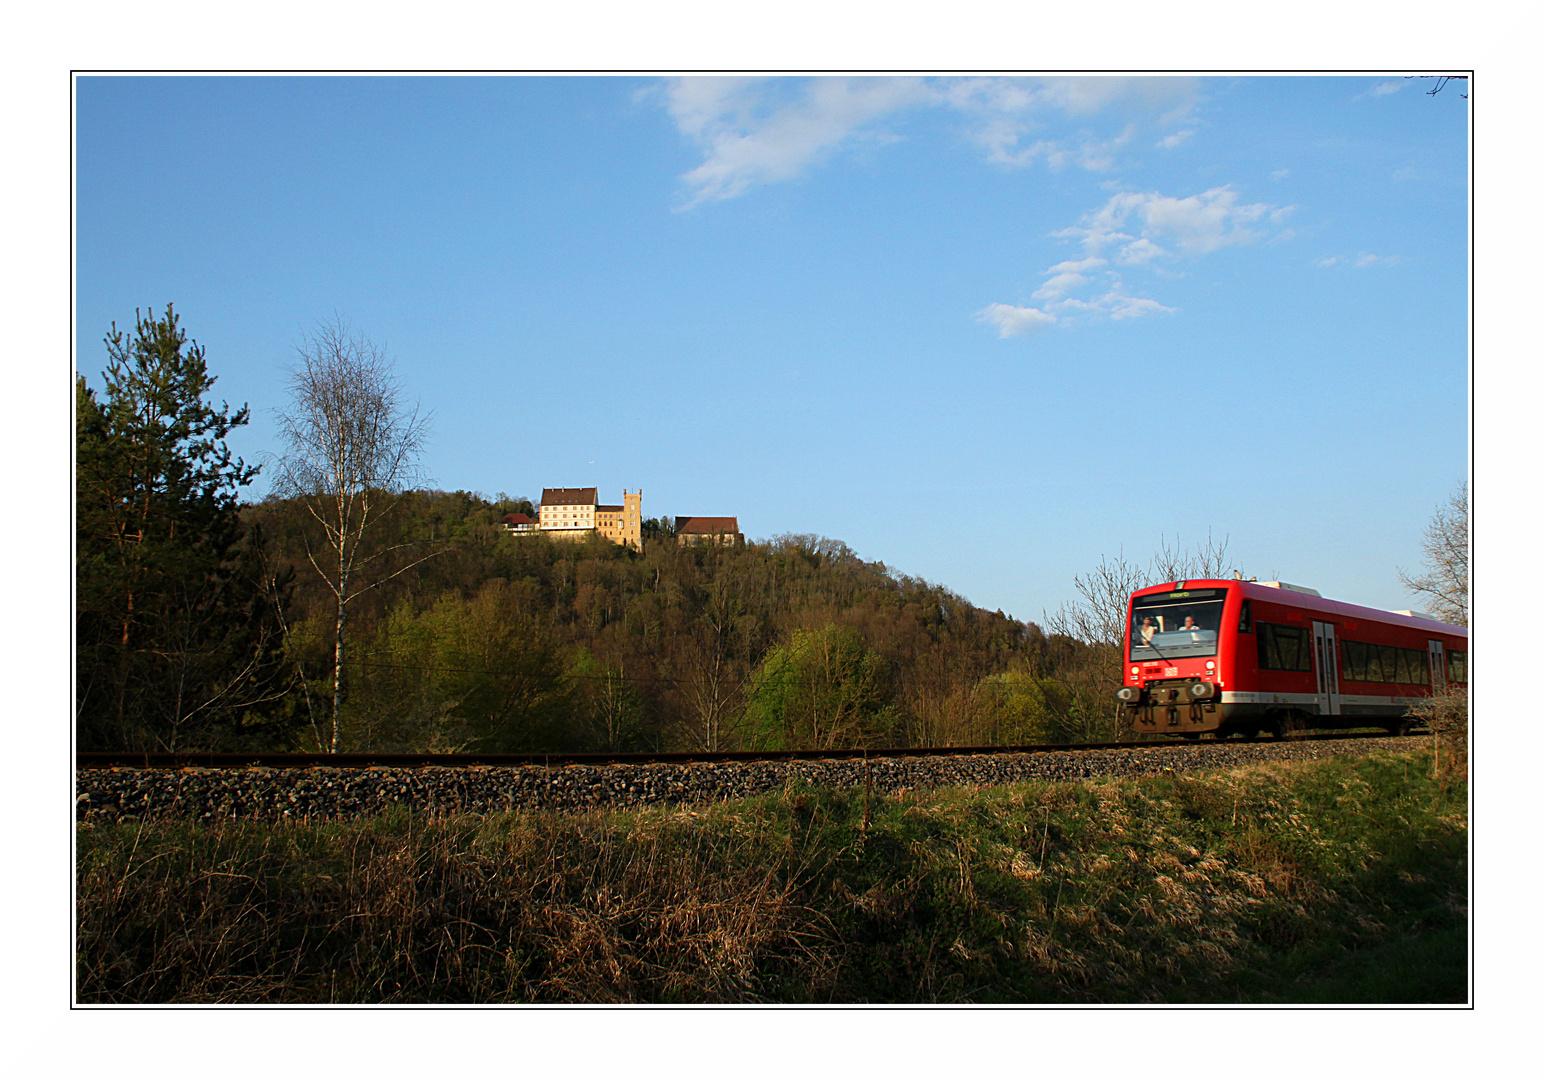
x,y
709,530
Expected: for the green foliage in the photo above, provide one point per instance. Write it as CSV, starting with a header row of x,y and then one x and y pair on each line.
x,y
823,690
1027,709
176,641
474,674
660,528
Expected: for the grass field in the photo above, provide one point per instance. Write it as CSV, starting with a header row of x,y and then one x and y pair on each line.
x,y
1340,881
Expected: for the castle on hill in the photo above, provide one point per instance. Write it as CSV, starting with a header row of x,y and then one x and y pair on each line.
x,y
575,513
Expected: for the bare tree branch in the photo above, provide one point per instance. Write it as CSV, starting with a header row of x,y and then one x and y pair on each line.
x,y
1444,586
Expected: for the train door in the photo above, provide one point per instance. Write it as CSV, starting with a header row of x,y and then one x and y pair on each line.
x,y
1438,665
1328,669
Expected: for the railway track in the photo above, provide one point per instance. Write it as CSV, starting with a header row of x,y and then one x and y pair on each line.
x,y
125,760
277,787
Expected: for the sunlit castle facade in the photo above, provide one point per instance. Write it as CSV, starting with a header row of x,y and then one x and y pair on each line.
x,y
574,513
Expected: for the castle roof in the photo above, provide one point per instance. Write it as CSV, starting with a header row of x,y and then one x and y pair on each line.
x,y
568,496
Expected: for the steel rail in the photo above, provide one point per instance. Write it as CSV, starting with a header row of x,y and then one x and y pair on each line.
x,y
183,760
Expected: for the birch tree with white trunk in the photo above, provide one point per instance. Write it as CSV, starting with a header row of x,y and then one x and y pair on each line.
x,y
352,448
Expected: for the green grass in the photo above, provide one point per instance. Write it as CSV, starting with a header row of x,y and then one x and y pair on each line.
x,y
1340,881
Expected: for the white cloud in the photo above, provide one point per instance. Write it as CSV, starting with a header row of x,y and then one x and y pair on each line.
x,y
1059,286
1163,97
1280,174
1361,262
756,131
1121,306
750,140
1169,142
1127,230
1015,321
1196,225
1202,223
1138,252
1383,89
1000,138
1100,156
1079,266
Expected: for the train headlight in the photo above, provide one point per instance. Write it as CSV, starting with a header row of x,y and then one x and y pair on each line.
x,y
1202,689
1129,695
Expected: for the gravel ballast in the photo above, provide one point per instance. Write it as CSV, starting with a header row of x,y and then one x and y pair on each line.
x,y
331,793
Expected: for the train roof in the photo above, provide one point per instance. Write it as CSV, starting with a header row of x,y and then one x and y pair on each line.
x,y
1296,596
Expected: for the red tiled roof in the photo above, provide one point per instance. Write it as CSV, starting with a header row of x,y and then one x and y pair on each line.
x,y
517,519
610,509
711,526
568,496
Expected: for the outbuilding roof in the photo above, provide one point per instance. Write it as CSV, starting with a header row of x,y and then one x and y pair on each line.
x,y
710,526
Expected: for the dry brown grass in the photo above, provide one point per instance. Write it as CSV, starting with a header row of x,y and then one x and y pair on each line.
x,y
524,909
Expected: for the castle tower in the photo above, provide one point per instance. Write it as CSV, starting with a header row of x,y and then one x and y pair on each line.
x,y
632,519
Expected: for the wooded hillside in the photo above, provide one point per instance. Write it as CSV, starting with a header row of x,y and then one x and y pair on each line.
x,y
505,643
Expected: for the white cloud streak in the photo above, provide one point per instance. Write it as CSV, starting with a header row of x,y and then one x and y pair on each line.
x,y
1015,321
1362,261
748,141
761,131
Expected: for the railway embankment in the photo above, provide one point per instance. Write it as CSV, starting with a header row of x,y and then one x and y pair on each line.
x,y
339,794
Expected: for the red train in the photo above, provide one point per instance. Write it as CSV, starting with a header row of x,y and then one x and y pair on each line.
x,y
1244,657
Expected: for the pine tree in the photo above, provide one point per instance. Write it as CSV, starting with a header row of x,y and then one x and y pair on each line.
x,y
173,632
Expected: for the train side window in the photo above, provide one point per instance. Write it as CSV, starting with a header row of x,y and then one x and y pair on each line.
x,y
1458,665
1365,662
1245,622
1353,661
1397,667
1283,648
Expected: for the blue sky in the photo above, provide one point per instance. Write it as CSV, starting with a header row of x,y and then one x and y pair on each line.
x,y
984,330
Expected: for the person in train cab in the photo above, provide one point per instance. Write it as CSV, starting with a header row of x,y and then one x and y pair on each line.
x,y
1148,630
1190,624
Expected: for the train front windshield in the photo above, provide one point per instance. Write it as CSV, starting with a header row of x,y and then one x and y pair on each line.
x,y
1167,626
